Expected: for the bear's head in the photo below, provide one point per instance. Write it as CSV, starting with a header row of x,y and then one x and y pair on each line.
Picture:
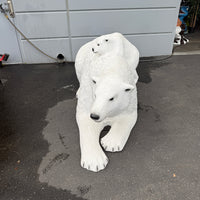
x,y
111,97
108,43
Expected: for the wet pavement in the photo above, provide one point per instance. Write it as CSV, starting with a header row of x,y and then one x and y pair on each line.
x,y
39,144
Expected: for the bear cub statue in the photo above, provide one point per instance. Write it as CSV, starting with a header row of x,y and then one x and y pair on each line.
x,y
107,96
114,43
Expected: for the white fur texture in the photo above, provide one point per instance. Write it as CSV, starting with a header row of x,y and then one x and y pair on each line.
x,y
108,90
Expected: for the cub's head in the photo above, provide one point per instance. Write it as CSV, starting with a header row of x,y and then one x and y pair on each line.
x,y
111,97
107,43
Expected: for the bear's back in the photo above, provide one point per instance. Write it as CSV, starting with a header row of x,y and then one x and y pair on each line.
x,y
111,65
125,49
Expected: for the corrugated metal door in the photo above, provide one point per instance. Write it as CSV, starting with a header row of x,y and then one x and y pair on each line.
x,y
8,39
45,24
149,24
63,26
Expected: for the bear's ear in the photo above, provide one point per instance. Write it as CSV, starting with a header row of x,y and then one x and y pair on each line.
x,y
128,87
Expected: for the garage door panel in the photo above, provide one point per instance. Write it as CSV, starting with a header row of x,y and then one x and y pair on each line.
x,y
43,24
38,5
139,21
50,46
8,42
153,44
119,4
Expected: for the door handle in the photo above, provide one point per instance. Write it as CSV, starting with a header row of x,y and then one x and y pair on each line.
x,y
10,8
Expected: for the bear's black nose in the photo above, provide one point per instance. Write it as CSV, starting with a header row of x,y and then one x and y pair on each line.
x,y
94,116
93,49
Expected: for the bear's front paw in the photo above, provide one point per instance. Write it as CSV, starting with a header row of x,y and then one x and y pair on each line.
x,y
94,160
112,143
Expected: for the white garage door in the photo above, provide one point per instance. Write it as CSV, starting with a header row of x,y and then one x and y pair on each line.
x,y
63,26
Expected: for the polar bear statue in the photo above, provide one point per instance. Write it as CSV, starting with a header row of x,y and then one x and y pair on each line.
x,y
107,96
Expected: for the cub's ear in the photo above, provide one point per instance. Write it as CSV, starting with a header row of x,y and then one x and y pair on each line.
x,y
128,87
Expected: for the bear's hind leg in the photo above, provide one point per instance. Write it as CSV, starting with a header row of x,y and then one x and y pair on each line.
x,y
118,135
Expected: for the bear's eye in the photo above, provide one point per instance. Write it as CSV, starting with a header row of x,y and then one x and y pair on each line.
x,y
94,81
98,44
111,99
128,89
106,40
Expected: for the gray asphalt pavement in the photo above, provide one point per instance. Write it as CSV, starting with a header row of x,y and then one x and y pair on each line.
x,y
39,142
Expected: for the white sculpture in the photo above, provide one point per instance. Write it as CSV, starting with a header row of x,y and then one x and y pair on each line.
x,y
114,43
107,96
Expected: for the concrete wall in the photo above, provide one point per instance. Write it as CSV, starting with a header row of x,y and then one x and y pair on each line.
x,y
65,26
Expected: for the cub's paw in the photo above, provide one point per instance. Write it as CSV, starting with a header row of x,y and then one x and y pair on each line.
x,y
94,161
112,143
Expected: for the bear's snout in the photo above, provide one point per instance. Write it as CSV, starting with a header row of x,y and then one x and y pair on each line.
x,y
94,116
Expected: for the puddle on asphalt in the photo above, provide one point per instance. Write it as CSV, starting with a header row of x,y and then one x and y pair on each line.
x,y
61,165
